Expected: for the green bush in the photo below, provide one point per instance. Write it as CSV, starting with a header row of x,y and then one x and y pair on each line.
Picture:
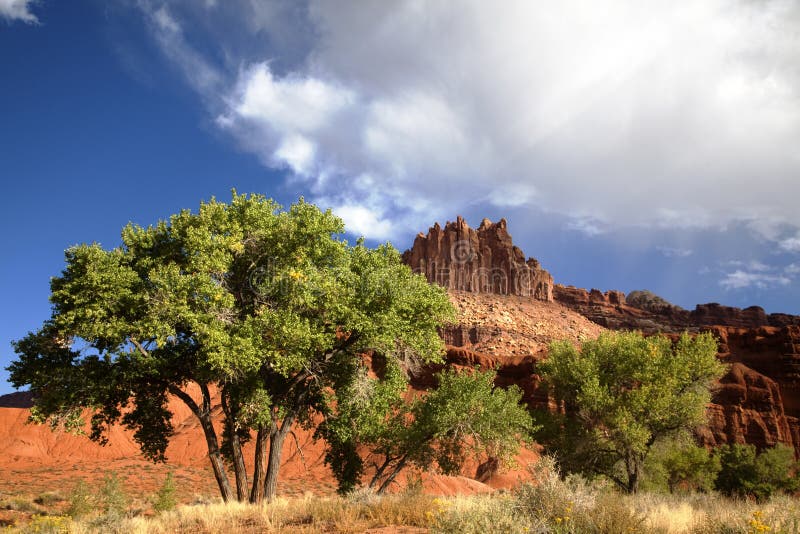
x,y
745,472
113,499
680,465
165,498
81,502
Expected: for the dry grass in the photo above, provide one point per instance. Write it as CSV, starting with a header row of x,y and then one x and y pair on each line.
x,y
302,515
552,505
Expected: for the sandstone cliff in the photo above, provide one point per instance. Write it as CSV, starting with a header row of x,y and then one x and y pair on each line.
x,y
481,261
500,326
612,310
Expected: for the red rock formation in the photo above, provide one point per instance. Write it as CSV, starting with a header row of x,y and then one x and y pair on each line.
x,y
748,408
717,314
611,309
481,261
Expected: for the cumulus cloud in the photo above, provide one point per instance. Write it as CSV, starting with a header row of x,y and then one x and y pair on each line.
x,y
18,10
743,279
628,113
755,274
363,221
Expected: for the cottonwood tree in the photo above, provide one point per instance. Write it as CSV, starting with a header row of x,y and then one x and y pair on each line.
x,y
621,394
243,305
464,417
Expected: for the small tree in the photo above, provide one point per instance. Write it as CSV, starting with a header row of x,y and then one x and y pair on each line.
x,y
621,394
746,472
465,416
165,499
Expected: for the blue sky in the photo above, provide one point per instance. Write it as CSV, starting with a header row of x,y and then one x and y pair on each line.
x,y
629,147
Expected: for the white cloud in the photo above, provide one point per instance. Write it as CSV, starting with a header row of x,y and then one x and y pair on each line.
x,y
790,244
742,279
168,32
674,252
759,275
297,152
18,10
362,221
617,114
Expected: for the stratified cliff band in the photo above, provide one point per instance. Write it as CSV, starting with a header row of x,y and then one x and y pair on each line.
x,y
757,401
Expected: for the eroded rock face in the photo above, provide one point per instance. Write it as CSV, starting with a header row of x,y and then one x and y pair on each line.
x,y
748,408
612,310
757,402
480,261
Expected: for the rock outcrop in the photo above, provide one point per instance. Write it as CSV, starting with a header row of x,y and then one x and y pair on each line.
x,y
654,314
502,327
748,408
480,261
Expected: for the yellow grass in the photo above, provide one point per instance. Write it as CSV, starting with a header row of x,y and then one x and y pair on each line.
x,y
555,506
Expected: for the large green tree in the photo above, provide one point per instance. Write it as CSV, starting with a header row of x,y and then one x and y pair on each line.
x,y
261,309
622,393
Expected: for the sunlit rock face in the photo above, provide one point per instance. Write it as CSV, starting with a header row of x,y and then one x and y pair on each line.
x,y
480,261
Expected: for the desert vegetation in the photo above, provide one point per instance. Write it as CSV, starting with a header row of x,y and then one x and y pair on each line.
x,y
272,316
550,503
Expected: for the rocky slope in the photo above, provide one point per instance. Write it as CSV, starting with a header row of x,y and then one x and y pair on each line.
x,y
612,310
504,324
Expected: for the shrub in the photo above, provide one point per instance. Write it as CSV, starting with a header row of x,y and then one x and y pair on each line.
x,y
681,465
47,524
745,472
165,498
49,498
80,500
113,498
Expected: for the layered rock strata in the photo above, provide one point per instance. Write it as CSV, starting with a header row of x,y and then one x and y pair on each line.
x,y
480,261
612,310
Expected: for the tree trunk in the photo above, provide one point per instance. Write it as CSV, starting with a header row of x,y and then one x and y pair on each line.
x,y
386,483
633,468
257,490
239,468
277,437
214,454
379,471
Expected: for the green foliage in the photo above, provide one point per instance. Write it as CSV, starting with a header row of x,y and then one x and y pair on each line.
x,y
271,306
680,465
81,500
465,416
623,393
112,497
746,472
166,498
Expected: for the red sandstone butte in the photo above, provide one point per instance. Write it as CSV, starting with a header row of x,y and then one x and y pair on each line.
x,y
480,261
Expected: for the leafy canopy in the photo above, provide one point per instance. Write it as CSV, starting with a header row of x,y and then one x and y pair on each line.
x,y
465,416
269,306
621,394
